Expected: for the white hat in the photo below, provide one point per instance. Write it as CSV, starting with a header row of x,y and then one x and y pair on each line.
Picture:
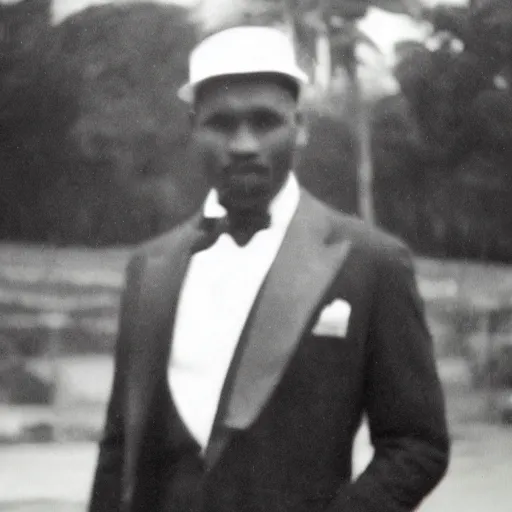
x,y
242,50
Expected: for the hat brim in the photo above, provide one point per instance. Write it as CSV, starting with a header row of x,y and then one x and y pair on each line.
x,y
187,91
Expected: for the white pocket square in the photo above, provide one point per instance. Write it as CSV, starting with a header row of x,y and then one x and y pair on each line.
x,y
334,319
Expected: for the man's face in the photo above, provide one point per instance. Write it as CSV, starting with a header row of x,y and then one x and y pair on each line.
x,y
246,131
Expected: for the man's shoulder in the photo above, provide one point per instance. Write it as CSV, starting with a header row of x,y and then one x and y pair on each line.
x,y
373,246
160,243
361,233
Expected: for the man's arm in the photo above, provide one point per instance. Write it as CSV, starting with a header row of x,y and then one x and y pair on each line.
x,y
106,490
404,400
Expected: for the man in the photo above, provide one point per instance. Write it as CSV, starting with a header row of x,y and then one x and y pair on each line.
x,y
255,336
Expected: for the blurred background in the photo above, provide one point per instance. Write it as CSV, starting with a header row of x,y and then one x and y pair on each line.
x,y
410,110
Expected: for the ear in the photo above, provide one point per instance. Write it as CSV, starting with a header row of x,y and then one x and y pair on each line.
x,y
302,135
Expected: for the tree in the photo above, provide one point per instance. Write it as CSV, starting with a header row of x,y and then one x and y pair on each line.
x,y
93,141
128,146
337,37
33,115
457,116
326,34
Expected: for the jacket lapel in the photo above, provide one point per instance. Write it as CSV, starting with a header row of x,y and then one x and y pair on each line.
x,y
309,259
163,274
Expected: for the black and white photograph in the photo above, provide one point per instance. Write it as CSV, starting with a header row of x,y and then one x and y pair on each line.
x,y
255,255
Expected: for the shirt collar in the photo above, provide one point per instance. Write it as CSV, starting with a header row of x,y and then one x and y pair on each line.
x,y
281,208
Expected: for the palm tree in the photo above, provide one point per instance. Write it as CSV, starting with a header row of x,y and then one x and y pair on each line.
x,y
338,36
331,27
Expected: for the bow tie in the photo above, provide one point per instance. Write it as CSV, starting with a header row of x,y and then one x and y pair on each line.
x,y
241,228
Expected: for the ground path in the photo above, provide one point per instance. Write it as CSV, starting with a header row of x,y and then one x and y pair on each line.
x,y
57,478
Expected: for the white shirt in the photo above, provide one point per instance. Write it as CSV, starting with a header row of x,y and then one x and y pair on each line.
x,y
218,292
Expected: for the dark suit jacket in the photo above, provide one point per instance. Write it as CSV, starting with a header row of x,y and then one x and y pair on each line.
x,y
293,400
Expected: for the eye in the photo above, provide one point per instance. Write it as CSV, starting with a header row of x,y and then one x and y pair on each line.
x,y
265,120
220,123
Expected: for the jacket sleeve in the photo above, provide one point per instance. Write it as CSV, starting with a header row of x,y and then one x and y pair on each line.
x,y
403,399
107,484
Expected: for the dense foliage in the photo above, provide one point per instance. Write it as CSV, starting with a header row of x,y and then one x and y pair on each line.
x,y
28,93
93,134
94,144
443,149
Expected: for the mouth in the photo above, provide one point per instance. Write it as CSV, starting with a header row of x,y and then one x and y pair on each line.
x,y
246,186
248,179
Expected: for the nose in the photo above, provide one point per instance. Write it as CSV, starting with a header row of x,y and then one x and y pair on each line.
x,y
244,143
